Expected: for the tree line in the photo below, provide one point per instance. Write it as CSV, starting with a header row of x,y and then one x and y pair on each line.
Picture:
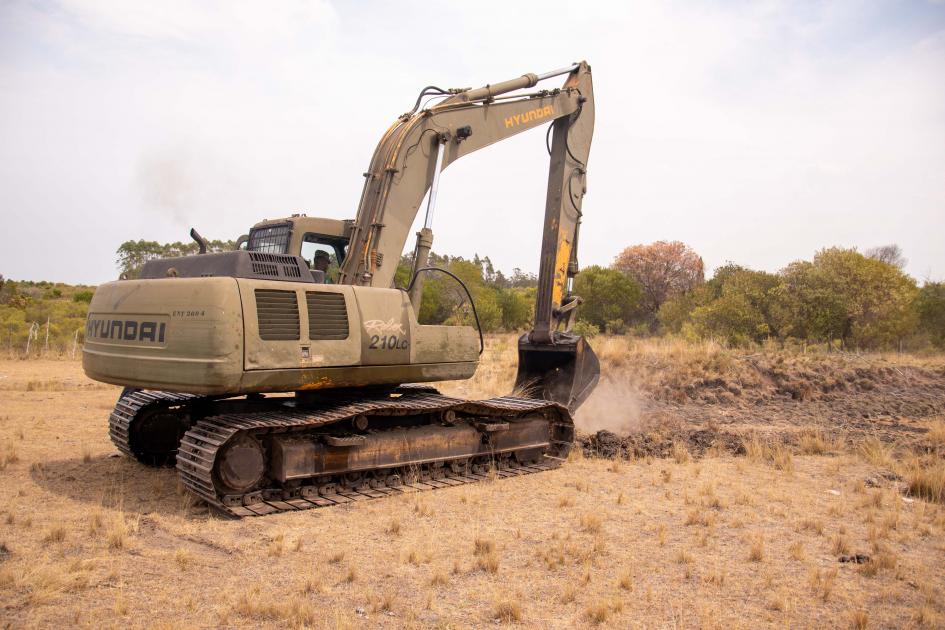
x,y
841,298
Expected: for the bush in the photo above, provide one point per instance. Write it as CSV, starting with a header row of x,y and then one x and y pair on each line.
x,y
609,296
585,329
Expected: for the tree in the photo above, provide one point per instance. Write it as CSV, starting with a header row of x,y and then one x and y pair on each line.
x,y
845,295
663,270
611,298
742,309
930,305
889,254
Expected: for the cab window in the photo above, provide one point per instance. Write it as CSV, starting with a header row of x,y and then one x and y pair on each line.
x,y
323,253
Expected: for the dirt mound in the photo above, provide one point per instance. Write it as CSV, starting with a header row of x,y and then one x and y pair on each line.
x,y
708,402
636,445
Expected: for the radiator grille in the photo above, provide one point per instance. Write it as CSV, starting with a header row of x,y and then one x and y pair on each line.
x,y
278,315
327,315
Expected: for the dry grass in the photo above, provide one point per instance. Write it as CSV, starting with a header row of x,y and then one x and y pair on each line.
x,y
601,610
506,610
796,550
591,523
756,551
776,454
595,542
925,478
873,450
55,534
812,442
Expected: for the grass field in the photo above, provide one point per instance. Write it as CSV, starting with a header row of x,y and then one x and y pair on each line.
x,y
740,480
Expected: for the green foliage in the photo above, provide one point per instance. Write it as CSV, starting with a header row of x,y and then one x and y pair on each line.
x,y
501,303
742,309
930,308
57,308
610,297
845,295
585,329
840,295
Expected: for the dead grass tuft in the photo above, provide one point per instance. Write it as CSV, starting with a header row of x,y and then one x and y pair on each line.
x,y
384,602
839,545
812,442
935,438
796,550
625,581
874,451
599,611
439,578
926,617
756,552
183,558
681,453
822,582
568,595
295,611
55,534
483,546
925,478
116,532
768,452
812,525
8,456
859,619
488,562
506,610
591,523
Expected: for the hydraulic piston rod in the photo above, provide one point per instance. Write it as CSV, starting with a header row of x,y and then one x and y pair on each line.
x,y
425,235
524,81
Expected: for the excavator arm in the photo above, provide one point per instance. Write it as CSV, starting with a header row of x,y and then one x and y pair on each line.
x,y
407,163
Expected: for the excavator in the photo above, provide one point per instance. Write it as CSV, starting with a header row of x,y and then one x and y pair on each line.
x,y
274,384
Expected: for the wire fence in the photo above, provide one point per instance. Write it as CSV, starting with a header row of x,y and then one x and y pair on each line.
x,y
42,340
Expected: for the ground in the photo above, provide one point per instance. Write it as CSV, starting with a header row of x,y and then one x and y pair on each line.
x,y
710,515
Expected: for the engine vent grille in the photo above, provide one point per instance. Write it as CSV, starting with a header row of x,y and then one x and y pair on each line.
x,y
327,315
277,313
266,269
270,264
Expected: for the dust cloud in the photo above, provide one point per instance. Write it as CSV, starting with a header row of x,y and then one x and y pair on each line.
x,y
612,407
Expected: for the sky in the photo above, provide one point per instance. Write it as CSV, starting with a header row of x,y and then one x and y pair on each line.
x,y
755,132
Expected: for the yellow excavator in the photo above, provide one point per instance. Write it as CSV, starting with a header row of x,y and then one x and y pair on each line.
x,y
275,383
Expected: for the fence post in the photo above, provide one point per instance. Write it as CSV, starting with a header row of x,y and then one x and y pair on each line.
x,y
31,335
75,342
46,344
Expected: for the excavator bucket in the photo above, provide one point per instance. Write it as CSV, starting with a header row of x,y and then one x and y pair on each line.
x,y
565,372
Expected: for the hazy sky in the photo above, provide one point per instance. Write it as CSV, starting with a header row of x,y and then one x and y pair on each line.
x,y
754,132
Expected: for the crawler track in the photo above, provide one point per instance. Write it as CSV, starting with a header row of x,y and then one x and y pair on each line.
x,y
198,457
129,408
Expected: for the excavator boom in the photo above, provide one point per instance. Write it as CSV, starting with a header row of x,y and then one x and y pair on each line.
x,y
406,166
